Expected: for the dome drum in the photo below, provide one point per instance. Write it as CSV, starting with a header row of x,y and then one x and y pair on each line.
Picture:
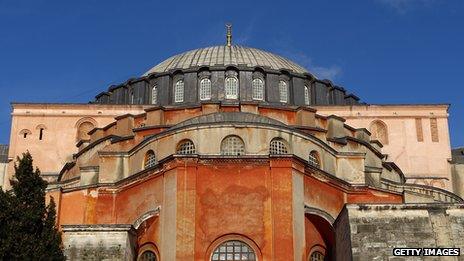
x,y
139,91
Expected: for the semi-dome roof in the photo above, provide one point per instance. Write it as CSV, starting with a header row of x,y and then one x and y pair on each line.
x,y
224,55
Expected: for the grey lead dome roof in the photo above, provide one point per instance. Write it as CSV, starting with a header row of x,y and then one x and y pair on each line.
x,y
226,55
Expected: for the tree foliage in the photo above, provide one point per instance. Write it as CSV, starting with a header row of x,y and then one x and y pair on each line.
x,y
27,225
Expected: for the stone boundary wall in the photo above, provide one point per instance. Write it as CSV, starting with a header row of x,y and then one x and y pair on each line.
x,y
374,230
99,242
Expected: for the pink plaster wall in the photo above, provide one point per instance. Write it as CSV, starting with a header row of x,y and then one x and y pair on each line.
x,y
59,138
416,159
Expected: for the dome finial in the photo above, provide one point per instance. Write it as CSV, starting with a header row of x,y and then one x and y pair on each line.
x,y
229,35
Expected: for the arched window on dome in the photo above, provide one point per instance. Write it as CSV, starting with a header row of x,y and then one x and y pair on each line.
x,y
231,88
283,91
154,94
233,250
314,159
379,131
316,256
185,147
147,256
132,97
278,146
179,91
306,95
258,89
150,159
232,145
205,89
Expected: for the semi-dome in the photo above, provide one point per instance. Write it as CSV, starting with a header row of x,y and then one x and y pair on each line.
x,y
224,55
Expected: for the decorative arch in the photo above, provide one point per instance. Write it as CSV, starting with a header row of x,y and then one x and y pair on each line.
x,y
379,131
146,216
321,213
83,130
24,133
321,243
229,238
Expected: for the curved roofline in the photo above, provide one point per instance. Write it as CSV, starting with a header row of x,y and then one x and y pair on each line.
x,y
222,55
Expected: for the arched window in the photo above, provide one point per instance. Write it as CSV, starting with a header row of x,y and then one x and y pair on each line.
x,y
132,97
231,88
179,91
205,89
83,130
258,89
314,159
232,145
41,128
147,256
316,256
186,147
233,250
154,95
278,146
379,131
150,159
24,133
306,95
283,91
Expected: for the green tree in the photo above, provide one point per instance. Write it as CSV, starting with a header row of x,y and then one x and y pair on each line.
x,y
27,225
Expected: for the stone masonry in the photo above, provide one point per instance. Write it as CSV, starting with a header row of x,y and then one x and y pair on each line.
x,y
374,230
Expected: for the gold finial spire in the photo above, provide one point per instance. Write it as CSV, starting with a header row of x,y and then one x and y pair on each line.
x,y
229,35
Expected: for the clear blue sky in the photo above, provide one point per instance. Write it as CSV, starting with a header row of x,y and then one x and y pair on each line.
x,y
384,51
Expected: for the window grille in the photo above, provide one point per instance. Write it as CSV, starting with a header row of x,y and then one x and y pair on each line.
x,y
314,159
232,145
186,147
283,91
205,89
258,89
317,256
154,95
231,88
148,256
278,146
150,159
233,250
179,91
306,95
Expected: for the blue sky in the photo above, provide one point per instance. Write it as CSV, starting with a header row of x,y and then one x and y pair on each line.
x,y
384,51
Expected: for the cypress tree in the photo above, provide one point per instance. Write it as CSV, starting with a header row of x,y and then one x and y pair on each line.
x,y
27,225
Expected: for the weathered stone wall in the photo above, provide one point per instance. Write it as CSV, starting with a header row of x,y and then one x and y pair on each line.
x,y
99,242
374,230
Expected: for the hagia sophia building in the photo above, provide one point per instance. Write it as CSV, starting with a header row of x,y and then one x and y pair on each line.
x,y
234,153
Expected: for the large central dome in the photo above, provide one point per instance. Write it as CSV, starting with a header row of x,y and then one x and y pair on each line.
x,y
223,55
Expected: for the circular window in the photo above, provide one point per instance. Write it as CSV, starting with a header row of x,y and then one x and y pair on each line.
x,y
233,250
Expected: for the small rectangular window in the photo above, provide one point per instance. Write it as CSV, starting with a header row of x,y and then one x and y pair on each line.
x,y
434,129
41,134
419,132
